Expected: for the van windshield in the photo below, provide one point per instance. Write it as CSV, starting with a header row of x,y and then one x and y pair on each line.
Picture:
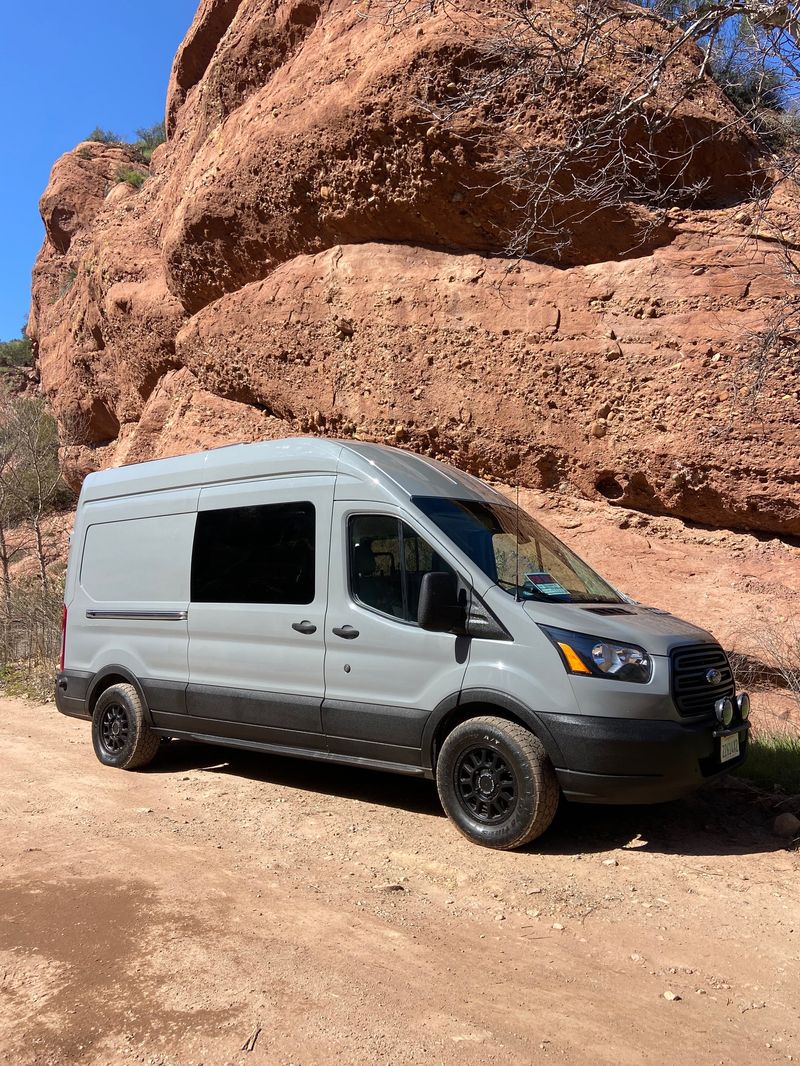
x,y
490,534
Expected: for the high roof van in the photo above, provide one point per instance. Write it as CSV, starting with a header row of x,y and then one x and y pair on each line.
x,y
358,604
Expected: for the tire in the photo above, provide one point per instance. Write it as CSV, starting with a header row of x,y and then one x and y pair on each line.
x,y
496,783
120,734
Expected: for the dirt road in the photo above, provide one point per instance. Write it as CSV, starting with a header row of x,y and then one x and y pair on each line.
x,y
320,914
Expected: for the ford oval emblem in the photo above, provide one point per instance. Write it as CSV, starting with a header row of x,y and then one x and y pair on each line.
x,y
713,676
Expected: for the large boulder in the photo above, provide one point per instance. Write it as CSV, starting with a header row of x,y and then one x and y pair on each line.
x,y
317,249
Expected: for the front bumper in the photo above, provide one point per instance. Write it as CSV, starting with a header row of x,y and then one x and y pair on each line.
x,y
624,760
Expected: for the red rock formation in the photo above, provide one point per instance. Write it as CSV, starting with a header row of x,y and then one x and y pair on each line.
x,y
311,253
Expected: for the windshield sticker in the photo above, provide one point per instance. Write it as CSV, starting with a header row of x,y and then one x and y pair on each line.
x,y
546,584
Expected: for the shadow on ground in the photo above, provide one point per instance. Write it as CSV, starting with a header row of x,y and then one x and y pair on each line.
x,y
725,818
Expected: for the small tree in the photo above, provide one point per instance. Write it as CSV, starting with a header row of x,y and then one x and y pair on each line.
x,y
148,139
31,484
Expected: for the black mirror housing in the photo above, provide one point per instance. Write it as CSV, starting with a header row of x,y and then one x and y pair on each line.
x,y
439,608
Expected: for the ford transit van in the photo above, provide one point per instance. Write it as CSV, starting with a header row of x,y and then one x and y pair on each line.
x,y
362,605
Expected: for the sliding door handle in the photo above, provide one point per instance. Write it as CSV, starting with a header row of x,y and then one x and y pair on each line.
x,y
346,632
304,627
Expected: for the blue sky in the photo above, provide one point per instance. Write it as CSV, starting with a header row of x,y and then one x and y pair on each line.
x,y
65,69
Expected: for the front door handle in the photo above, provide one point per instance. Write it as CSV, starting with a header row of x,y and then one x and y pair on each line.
x,y
304,627
346,632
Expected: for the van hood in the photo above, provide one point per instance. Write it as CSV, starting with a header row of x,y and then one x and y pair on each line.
x,y
652,629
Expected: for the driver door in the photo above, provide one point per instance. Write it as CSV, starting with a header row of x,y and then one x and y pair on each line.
x,y
383,674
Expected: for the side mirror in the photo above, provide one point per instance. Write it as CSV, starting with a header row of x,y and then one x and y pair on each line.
x,y
439,610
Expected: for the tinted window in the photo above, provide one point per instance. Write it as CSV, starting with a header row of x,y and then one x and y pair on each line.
x,y
254,555
388,561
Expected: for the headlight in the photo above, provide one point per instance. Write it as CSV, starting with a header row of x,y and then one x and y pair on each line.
x,y
596,657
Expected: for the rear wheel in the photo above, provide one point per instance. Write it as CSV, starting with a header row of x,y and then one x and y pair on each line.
x,y
496,783
120,733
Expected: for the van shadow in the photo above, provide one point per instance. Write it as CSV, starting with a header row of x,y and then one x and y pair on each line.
x,y
725,818
718,820
397,791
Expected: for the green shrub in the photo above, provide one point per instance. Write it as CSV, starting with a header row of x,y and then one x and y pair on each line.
x,y
101,136
16,353
130,176
148,140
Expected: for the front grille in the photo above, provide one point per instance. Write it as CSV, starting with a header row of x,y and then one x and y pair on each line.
x,y
691,690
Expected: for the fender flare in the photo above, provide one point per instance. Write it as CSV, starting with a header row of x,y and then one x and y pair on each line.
x,y
480,698
115,670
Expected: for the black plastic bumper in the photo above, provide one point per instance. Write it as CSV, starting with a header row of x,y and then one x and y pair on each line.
x,y
71,689
623,760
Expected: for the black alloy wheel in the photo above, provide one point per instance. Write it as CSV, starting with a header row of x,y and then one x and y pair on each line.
x,y
115,729
486,785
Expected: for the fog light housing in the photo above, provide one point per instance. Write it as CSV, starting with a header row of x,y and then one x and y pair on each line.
x,y
724,710
743,703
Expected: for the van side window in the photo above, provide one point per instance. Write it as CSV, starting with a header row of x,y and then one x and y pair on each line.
x,y
388,560
261,554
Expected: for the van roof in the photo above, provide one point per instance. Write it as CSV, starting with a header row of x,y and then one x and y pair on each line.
x,y
398,473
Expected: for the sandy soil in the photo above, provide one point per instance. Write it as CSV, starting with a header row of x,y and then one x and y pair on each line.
x,y
220,901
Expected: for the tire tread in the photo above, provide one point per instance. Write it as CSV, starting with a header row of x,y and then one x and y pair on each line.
x,y
544,781
146,743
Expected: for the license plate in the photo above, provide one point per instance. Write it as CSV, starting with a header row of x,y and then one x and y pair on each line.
x,y
729,747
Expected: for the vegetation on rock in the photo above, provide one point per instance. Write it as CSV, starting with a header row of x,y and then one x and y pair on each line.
x,y
148,139
130,176
16,353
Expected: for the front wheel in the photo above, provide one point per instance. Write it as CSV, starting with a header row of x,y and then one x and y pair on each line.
x,y
496,783
120,733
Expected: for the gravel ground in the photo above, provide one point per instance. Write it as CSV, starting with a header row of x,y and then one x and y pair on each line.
x,y
226,908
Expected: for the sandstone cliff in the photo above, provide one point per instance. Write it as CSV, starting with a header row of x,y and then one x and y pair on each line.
x,y
313,253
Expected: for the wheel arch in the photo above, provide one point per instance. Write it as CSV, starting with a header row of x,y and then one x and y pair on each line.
x,y
471,703
114,675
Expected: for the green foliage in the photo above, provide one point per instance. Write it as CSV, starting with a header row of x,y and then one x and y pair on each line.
x,y
101,136
148,140
774,759
16,353
130,176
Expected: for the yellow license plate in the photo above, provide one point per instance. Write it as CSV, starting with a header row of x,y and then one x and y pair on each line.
x,y
729,747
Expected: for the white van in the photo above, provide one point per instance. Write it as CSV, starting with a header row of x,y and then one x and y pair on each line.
x,y
363,605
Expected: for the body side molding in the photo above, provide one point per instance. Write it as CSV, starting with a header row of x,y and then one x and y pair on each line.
x,y
140,616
